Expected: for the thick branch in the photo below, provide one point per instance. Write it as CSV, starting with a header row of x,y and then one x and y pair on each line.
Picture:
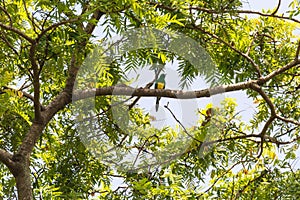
x,y
59,102
177,94
278,71
66,98
36,83
277,142
6,158
270,120
239,137
30,139
74,65
258,89
17,31
91,26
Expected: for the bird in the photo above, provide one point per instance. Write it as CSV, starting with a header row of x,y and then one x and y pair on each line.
x,y
209,112
160,83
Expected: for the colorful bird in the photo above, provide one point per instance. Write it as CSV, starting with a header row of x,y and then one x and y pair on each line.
x,y
160,83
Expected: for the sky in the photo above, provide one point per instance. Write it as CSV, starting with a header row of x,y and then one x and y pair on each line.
x,y
259,5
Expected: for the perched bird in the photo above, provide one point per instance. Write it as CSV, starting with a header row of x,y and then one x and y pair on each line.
x,y
160,83
209,112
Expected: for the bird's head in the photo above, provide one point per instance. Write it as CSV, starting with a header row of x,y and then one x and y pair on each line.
x,y
162,76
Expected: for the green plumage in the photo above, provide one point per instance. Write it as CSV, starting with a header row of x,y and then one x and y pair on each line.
x,y
160,83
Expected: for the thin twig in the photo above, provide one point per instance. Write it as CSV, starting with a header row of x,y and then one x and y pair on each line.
x,y
2,36
297,51
7,14
214,11
245,55
276,9
221,176
166,106
250,182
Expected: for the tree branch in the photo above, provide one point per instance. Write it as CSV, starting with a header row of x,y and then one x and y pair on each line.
x,y
60,101
276,9
267,15
288,66
54,26
263,173
7,14
36,82
213,11
297,51
177,94
2,36
245,55
258,89
179,122
18,32
232,138
30,97
31,19
6,158
288,120
91,26
277,142
270,120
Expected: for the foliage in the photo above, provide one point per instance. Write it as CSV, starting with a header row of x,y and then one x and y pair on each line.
x,y
45,43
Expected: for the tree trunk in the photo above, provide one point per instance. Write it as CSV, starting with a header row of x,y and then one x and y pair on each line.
x,y
22,177
21,159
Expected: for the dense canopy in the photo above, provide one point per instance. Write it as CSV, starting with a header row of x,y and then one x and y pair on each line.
x,y
70,117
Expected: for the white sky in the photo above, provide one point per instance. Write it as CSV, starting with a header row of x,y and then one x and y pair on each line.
x,y
258,5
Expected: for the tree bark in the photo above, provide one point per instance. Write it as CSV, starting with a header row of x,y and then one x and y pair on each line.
x,y
21,172
21,159
24,183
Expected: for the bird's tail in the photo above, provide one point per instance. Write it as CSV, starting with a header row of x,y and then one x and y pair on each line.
x,y
157,103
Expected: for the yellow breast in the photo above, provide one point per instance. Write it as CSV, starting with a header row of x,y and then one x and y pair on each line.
x,y
160,86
